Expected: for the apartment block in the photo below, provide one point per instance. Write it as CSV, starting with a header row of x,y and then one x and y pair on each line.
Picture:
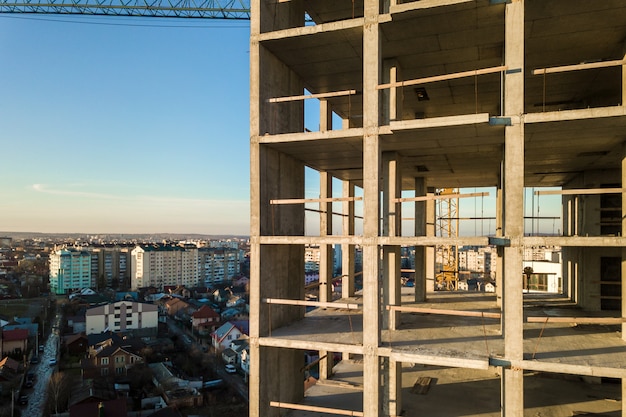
x,y
391,102
159,265
110,266
70,270
124,317
218,265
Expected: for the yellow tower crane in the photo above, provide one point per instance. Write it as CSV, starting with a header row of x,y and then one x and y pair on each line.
x,y
447,226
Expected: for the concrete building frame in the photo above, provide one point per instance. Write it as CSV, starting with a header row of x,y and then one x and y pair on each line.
x,y
434,94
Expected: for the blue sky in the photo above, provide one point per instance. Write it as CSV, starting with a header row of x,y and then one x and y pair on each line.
x,y
124,125
128,125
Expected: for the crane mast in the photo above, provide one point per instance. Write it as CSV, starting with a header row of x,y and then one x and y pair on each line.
x,y
448,226
211,9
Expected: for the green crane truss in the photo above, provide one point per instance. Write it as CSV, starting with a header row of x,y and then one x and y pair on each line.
x,y
212,9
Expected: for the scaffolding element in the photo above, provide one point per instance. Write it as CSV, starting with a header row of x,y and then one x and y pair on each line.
x,y
447,226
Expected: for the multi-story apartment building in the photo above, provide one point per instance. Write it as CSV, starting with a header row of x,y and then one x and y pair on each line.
x,y
159,265
218,265
123,316
312,258
110,266
416,96
70,270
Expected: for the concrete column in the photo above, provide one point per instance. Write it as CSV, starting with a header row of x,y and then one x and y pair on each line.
x,y
392,97
431,221
347,250
420,251
499,249
624,82
392,405
513,226
276,270
326,264
326,229
371,211
623,256
326,116
392,217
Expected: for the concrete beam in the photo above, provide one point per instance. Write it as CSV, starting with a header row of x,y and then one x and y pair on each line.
x,y
467,119
354,132
311,345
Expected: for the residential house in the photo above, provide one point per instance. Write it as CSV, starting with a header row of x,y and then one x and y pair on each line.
x,y
13,341
9,371
205,320
232,354
175,306
75,344
236,301
127,296
24,323
166,412
245,360
176,391
78,324
232,314
108,360
224,335
92,390
111,408
123,316
221,296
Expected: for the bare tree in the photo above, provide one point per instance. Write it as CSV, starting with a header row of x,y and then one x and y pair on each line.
x,y
58,391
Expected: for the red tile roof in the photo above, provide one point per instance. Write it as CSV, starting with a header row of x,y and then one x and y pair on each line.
x,y
14,335
204,312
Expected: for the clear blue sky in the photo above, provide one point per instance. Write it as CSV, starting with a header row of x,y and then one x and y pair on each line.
x,y
124,125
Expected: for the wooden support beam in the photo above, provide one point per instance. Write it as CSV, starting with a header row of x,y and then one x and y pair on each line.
x,y
312,364
314,200
444,77
578,67
283,301
329,410
439,197
309,96
313,285
462,313
581,191
579,320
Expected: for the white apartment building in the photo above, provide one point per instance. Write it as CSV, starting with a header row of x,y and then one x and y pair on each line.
x,y
164,265
70,270
481,260
123,316
311,258
218,265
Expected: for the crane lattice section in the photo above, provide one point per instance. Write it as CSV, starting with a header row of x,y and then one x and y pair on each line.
x,y
214,9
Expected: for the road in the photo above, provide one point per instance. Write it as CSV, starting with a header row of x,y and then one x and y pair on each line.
x,y
38,394
235,381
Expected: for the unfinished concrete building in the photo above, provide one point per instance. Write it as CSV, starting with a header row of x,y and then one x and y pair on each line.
x,y
415,97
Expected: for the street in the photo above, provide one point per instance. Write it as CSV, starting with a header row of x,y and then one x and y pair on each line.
x,y
38,394
236,381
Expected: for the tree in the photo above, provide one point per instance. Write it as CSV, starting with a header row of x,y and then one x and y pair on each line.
x,y
58,391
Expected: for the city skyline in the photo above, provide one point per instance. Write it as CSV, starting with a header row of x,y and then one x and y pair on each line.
x,y
124,125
